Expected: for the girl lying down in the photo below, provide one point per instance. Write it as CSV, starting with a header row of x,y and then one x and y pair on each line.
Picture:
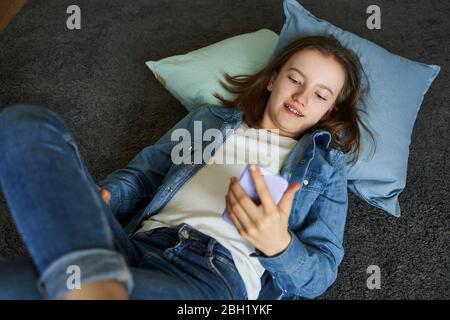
x,y
178,244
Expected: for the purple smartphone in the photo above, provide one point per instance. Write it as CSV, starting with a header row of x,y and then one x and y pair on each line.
x,y
277,186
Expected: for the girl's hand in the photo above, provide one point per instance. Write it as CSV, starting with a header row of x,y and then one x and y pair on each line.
x,y
105,194
264,225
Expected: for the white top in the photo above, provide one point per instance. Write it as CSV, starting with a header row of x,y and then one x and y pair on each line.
x,y
201,201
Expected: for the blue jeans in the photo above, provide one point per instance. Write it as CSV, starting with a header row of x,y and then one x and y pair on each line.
x,y
64,223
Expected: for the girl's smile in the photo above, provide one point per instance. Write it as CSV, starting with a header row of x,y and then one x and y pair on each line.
x,y
293,111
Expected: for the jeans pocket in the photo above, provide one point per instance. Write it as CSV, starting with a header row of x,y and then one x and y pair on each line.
x,y
229,275
162,238
143,235
225,261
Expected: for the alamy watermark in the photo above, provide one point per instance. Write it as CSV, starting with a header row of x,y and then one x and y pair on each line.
x,y
374,20
260,146
74,20
74,280
374,280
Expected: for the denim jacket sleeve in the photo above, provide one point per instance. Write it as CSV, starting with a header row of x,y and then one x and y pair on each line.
x,y
136,184
308,266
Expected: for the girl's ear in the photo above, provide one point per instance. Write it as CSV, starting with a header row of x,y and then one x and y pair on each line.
x,y
272,78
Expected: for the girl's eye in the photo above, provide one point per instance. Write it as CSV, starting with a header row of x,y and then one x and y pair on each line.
x,y
294,81
297,82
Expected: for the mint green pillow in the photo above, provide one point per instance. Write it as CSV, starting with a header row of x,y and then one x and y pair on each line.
x,y
193,77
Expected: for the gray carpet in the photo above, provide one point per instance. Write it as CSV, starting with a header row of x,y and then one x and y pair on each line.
x,y
96,80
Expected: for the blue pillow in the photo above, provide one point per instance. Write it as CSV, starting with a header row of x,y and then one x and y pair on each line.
x,y
397,89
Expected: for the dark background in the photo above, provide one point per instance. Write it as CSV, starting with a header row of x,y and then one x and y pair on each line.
x,y
95,78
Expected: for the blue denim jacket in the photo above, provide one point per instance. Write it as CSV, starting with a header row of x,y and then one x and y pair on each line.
x,y
309,264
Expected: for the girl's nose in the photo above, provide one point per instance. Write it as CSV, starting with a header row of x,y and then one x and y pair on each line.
x,y
300,97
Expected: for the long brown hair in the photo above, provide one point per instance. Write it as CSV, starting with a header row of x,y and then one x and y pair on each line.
x,y
252,94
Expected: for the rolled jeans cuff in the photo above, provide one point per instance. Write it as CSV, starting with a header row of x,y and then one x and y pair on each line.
x,y
72,270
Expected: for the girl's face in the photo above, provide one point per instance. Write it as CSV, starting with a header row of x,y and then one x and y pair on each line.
x,y
303,93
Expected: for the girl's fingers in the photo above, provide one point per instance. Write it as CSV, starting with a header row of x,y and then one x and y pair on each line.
x,y
287,199
106,195
234,219
242,198
262,189
239,193
239,213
